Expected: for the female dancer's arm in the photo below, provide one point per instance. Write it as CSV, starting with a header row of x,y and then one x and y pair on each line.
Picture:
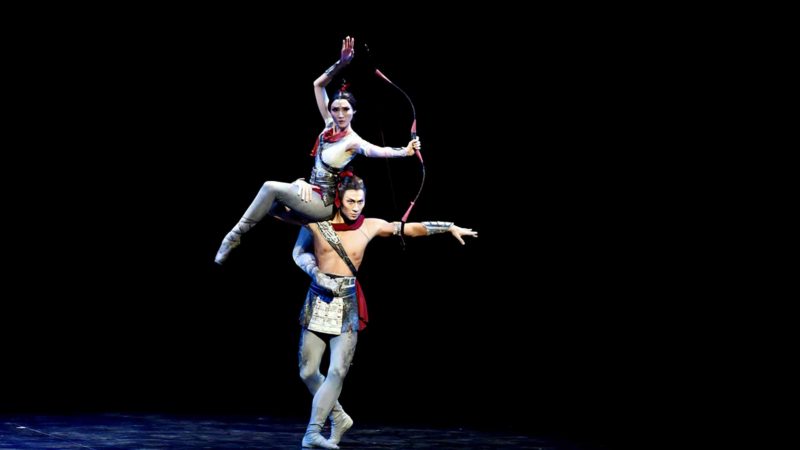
x,y
373,151
348,51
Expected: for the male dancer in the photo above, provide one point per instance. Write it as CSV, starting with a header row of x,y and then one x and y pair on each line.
x,y
334,310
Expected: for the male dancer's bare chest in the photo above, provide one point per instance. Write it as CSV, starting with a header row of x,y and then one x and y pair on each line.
x,y
354,243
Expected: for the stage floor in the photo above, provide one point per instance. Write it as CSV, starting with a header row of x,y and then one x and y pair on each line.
x,y
173,432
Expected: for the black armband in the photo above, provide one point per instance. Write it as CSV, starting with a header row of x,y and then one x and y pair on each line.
x,y
332,70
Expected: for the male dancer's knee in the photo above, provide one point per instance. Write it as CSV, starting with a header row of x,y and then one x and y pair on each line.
x,y
338,370
309,373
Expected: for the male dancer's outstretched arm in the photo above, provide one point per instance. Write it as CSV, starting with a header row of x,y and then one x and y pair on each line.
x,y
416,229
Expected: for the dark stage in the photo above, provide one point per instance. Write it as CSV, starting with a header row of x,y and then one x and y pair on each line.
x,y
121,332
151,431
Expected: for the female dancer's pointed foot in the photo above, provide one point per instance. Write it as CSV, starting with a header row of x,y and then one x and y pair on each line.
x,y
313,439
231,241
339,427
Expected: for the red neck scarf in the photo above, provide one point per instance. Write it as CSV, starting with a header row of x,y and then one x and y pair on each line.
x,y
349,226
329,136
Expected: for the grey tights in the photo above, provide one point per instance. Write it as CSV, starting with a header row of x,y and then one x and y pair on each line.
x,y
326,390
273,195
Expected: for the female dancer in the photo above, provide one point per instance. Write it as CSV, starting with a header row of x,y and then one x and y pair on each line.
x,y
336,147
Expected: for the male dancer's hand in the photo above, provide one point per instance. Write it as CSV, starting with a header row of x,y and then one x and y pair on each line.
x,y
457,232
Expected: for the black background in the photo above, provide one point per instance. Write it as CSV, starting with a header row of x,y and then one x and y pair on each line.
x,y
147,139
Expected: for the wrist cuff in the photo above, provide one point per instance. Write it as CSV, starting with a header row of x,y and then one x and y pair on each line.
x,y
437,227
333,69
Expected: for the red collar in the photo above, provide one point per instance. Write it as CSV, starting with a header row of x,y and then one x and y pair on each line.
x,y
329,136
349,226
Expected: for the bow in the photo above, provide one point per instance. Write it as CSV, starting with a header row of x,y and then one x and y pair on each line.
x,y
419,154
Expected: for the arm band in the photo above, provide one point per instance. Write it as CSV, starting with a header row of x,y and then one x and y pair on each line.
x,y
436,227
332,70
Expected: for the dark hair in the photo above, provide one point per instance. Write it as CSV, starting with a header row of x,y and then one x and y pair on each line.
x,y
342,94
351,182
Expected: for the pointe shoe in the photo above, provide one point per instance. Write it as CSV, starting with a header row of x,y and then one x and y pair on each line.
x,y
231,241
314,440
339,428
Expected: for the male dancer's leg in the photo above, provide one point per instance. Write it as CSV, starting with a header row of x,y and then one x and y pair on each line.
x,y
343,348
312,347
